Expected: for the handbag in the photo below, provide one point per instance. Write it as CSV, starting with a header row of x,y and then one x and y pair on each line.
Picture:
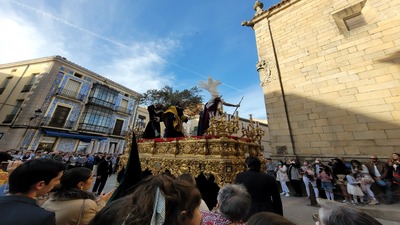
x,y
81,213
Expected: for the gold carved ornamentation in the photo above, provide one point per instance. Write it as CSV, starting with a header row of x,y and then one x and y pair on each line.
x,y
220,155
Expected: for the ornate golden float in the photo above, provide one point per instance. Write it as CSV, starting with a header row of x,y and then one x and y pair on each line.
x,y
218,153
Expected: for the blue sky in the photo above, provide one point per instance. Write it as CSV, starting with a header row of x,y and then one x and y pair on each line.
x,y
143,44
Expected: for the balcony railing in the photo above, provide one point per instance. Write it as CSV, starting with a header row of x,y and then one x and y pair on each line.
x,y
27,88
9,118
101,102
112,131
71,94
58,122
93,127
122,110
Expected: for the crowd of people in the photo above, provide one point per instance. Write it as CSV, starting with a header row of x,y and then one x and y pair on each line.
x,y
254,198
102,164
351,181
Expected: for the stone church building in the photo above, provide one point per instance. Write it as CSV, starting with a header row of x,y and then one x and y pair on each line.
x,y
330,73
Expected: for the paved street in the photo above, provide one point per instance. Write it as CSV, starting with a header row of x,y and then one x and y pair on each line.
x,y
295,208
298,211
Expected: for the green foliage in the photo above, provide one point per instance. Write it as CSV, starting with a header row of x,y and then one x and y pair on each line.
x,y
189,98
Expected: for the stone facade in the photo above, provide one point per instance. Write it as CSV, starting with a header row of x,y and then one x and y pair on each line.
x,y
331,77
79,109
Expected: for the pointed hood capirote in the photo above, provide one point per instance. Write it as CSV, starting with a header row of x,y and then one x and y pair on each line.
x,y
132,175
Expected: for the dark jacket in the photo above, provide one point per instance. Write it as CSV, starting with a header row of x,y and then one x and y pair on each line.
x,y
24,211
264,192
96,160
104,168
382,167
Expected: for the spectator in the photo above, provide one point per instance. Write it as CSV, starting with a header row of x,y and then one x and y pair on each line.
x,y
45,155
72,202
282,177
365,179
395,163
65,159
96,160
295,177
189,178
339,172
81,160
33,178
57,156
160,199
317,167
5,158
270,167
309,177
73,159
353,188
10,167
268,218
327,183
89,162
233,205
262,188
380,173
17,155
104,170
332,213
26,156
32,155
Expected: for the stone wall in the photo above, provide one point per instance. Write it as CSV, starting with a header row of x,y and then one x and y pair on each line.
x,y
331,89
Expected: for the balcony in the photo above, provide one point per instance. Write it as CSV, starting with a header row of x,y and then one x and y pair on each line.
x,y
58,122
9,118
70,94
27,88
93,128
122,110
116,132
101,102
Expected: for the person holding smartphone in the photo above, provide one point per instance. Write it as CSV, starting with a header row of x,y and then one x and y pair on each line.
x,y
72,202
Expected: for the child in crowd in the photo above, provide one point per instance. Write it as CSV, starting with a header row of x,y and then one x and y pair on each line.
x,y
327,183
353,189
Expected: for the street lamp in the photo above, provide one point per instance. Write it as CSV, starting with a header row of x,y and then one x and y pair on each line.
x,y
38,112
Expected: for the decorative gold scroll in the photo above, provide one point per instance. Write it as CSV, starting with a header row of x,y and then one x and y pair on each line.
x,y
218,154
222,157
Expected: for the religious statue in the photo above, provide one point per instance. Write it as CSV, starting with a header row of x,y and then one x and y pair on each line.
x,y
153,126
213,108
173,119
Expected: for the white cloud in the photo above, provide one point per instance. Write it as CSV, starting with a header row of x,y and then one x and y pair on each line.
x,y
141,67
21,40
138,66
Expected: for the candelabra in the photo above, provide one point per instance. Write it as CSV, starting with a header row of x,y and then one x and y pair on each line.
x,y
253,131
223,125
